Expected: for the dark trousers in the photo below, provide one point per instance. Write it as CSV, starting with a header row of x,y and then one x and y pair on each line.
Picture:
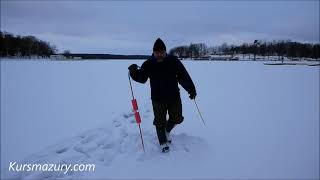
x,y
160,110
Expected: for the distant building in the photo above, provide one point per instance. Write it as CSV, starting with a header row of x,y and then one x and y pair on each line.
x,y
57,56
234,58
223,57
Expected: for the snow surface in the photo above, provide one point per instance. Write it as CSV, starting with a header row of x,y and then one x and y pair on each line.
x,y
261,121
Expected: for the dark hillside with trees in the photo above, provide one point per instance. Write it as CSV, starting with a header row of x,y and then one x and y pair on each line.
x,y
281,48
24,46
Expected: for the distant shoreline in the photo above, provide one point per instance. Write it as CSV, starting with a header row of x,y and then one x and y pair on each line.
x,y
285,62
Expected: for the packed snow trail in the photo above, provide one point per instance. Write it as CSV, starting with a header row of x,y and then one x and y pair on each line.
x,y
116,144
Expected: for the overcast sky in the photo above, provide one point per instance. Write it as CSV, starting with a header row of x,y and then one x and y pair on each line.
x,y
131,27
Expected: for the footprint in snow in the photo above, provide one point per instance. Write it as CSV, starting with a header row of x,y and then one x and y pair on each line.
x,y
62,150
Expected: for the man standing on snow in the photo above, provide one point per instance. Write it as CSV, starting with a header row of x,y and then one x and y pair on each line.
x,y
165,72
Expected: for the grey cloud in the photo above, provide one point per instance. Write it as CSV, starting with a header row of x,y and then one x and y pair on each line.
x,y
131,27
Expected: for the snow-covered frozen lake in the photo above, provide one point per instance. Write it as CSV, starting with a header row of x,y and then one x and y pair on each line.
x,y
261,121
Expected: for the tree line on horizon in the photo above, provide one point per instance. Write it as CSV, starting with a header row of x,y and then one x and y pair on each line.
x,y
24,46
280,48
30,47
27,46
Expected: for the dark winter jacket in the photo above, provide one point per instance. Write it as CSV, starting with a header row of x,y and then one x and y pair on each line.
x,y
164,78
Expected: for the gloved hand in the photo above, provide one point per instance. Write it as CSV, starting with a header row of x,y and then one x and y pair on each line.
x,y
133,67
193,95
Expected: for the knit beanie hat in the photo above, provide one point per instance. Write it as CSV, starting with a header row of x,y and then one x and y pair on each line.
x,y
159,45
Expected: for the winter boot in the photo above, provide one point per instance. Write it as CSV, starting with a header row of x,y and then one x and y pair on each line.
x,y
164,148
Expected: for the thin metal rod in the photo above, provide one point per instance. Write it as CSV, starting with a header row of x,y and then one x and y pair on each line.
x,y
138,124
141,138
199,112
